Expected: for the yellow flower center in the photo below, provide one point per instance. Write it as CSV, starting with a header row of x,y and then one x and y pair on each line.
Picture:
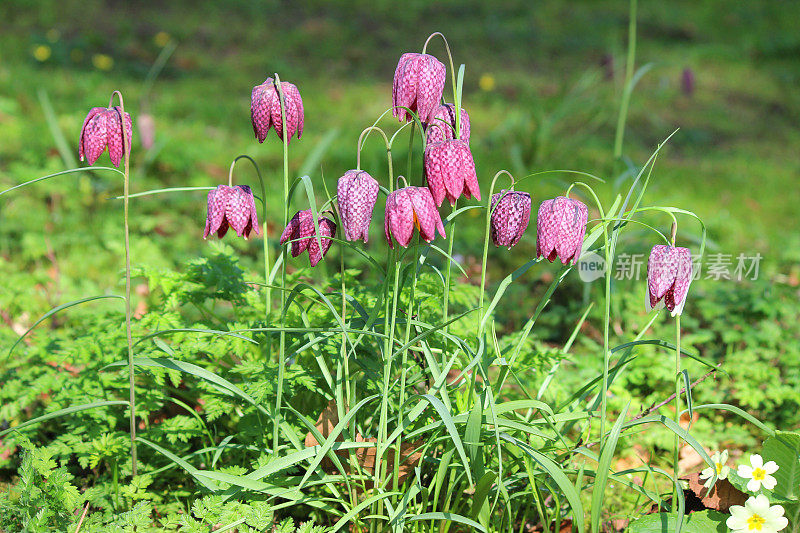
x,y
759,474
719,468
755,523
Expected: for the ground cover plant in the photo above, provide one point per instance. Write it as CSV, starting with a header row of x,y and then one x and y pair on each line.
x,y
283,399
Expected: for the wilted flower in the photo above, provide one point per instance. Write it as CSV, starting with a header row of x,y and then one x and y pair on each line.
x,y
265,110
720,468
409,207
560,227
759,473
356,192
418,85
300,231
443,125
756,515
103,127
450,171
669,273
510,217
231,206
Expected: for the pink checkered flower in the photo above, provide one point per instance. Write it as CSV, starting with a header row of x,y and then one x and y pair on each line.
x,y
407,208
231,206
418,85
265,110
356,193
450,171
300,231
103,128
560,228
510,217
669,274
443,125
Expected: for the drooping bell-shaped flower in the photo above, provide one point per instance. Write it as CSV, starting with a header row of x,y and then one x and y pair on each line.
x,y
669,274
408,208
418,85
450,171
560,228
300,231
103,128
265,110
232,206
442,126
511,212
356,193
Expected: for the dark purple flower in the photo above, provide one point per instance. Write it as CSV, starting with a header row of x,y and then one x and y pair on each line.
x,y
356,193
300,231
450,171
231,206
669,274
408,208
103,128
687,81
418,85
510,217
443,125
265,110
560,228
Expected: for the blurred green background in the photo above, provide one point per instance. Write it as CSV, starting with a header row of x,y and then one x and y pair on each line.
x,y
543,86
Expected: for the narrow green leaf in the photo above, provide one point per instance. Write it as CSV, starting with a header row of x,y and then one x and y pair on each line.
x,y
603,469
62,412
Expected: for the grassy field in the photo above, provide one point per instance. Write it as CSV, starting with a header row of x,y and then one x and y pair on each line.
x,y
543,86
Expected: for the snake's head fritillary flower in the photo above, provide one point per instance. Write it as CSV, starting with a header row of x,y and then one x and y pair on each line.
x,y
356,192
560,228
720,468
418,85
669,274
103,128
300,231
265,110
442,126
450,171
231,206
511,212
408,208
756,515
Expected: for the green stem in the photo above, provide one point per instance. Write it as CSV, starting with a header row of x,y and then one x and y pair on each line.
x,y
126,142
627,89
451,236
282,350
677,443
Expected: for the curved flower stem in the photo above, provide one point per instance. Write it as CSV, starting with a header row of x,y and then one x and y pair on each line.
x,y
282,351
268,290
362,140
126,145
452,78
486,240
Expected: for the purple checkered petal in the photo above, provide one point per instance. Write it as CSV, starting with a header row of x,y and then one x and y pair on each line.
x,y
294,111
301,225
510,217
399,218
93,138
116,141
327,228
560,228
425,214
443,125
261,108
217,205
357,193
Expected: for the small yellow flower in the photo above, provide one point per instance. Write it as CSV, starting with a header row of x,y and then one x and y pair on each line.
x,y
42,53
102,61
486,83
161,39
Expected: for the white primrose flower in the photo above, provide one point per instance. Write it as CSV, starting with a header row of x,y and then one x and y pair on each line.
x,y
756,515
719,459
758,473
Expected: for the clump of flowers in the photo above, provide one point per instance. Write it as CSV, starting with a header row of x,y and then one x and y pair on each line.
x,y
232,206
103,128
560,228
757,515
265,110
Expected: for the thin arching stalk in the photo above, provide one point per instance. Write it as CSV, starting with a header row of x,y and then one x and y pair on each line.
x,y
282,349
126,145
